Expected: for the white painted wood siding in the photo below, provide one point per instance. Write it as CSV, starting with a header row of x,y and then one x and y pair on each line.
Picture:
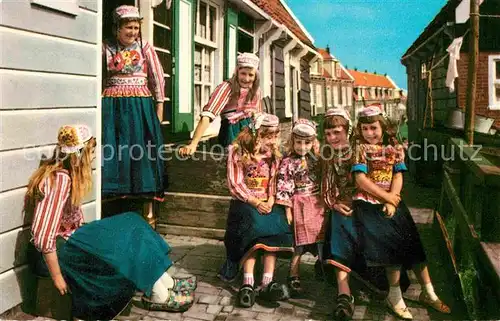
x,y
49,76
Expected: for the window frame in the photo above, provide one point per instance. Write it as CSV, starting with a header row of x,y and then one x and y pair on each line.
x,y
213,47
493,82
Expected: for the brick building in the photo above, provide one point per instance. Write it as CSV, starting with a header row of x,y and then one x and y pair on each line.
x,y
433,110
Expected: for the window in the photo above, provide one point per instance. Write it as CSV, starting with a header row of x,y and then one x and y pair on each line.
x,y
494,81
344,96
162,42
319,96
315,68
328,97
423,70
313,94
246,29
349,96
206,40
337,70
336,95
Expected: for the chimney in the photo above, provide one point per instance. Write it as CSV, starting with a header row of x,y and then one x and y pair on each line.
x,y
328,49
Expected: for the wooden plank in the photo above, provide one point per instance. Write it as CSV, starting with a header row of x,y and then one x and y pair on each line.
x,y
470,237
92,5
196,210
191,231
183,172
12,204
17,286
11,210
46,90
89,211
28,51
14,246
21,14
15,122
492,253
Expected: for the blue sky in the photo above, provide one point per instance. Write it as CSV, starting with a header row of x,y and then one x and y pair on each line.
x,y
367,34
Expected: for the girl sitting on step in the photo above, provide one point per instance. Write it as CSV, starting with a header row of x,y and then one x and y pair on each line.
x,y
388,235
255,222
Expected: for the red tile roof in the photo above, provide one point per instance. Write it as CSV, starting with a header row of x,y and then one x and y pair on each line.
x,y
370,80
344,75
326,74
278,12
325,54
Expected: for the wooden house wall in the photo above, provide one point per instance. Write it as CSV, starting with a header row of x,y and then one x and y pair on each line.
x,y
49,76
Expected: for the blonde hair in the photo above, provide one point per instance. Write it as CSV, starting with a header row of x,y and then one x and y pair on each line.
x,y
235,86
79,168
246,143
289,149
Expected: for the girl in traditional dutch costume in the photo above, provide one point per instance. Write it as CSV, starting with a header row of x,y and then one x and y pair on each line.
x,y
337,190
388,235
103,263
235,100
298,190
132,108
255,223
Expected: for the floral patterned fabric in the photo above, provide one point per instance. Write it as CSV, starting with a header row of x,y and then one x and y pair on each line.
x,y
249,177
379,163
298,188
132,72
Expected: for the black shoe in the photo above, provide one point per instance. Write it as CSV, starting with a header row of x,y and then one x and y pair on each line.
x,y
294,286
246,296
274,292
344,307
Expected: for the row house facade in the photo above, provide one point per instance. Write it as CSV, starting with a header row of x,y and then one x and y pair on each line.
x,y
373,88
331,84
55,55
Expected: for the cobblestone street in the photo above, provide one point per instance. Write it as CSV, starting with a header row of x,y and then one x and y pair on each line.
x,y
215,300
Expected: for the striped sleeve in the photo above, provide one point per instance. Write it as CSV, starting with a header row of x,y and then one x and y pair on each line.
x,y
48,212
236,176
218,100
156,77
328,187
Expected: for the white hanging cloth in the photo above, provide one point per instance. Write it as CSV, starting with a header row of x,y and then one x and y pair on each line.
x,y
452,73
156,3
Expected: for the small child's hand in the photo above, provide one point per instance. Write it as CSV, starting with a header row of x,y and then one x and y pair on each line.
x,y
389,210
343,209
393,198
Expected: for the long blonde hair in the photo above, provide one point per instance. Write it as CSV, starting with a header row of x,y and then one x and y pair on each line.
x,y
235,86
246,143
78,166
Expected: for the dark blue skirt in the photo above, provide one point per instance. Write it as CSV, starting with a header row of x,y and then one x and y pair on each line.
x,y
132,143
247,231
107,261
342,250
387,241
228,132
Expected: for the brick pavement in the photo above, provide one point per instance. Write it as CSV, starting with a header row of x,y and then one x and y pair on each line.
x,y
215,300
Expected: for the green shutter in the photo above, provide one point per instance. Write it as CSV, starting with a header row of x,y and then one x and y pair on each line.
x,y
230,41
183,78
